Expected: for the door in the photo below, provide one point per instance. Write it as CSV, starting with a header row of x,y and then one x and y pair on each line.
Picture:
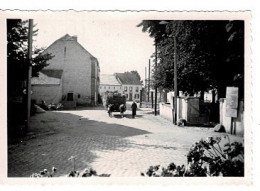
x,y
130,96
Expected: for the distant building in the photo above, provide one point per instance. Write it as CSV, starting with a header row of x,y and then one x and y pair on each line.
x,y
109,83
131,85
79,81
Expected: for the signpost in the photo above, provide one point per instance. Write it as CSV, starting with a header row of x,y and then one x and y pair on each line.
x,y
232,105
231,101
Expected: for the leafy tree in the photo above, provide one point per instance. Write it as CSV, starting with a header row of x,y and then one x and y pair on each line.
x,y
205,51
17,72
17,59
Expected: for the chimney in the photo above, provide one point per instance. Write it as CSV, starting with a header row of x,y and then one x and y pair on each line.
x,y
75,38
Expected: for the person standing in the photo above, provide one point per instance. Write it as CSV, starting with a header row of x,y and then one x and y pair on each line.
x,y
122,109
109,110
134,107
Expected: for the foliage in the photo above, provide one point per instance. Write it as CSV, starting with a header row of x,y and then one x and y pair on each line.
x,y
204,53
44,173
206,158
88,172
17,53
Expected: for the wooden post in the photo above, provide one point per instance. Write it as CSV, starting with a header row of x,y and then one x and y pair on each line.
x,y
155,87
152,98
149,80
141,97
175,81
29,75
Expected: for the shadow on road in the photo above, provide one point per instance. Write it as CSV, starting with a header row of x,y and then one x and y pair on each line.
x,y
128,116
55,136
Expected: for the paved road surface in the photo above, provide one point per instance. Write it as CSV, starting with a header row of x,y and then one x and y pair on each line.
x,y
122,147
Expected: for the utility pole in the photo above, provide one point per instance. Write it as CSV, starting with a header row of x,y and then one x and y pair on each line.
x,y
29,75
175,81
145,84
149,80
155,87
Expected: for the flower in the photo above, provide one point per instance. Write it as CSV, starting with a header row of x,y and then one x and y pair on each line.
x,y
209,140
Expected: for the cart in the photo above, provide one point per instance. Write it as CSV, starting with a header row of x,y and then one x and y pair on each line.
x,y
114,102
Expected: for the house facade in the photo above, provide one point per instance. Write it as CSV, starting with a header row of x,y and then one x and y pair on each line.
x,y
109,83
80,72
131,85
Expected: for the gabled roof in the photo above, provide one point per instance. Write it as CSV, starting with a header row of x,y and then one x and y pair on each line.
x,y
67,37
128,78
108,79
47,77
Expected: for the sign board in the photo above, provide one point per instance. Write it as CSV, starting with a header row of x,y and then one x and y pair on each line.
x,y
231,101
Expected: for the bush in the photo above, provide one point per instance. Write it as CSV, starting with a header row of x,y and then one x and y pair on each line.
x,y
206,158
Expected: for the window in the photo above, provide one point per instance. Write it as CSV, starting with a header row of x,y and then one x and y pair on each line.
x,y
137,89
130,88
125,89
114,87
104,87
126,95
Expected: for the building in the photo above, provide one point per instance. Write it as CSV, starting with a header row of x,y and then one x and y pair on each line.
x,y
131,85
48,86
109,83
78,82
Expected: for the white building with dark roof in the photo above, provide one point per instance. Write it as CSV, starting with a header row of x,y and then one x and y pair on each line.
x,y
131,85
109,83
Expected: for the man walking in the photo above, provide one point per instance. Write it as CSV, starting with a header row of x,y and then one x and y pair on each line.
x,y
134,107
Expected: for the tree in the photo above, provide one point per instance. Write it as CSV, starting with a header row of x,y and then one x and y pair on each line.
x,y
204,49
17,73
17,60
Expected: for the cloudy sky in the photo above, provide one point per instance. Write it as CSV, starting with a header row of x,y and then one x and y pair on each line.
x,y
113,39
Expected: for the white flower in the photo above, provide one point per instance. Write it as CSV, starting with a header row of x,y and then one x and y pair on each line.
x,y
209,139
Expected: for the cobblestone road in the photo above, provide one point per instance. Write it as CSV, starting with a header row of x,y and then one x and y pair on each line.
x,y
122,147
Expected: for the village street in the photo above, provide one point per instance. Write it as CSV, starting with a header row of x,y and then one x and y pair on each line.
x,y
117,146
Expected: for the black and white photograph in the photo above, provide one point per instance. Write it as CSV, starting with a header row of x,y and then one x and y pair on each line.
x,y
127,95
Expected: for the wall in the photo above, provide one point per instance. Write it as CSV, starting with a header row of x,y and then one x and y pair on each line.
x,y
234,125
187,108
166,111
75,62
48,93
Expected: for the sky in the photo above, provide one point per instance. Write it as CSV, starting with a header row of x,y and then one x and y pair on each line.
x,y
116,41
